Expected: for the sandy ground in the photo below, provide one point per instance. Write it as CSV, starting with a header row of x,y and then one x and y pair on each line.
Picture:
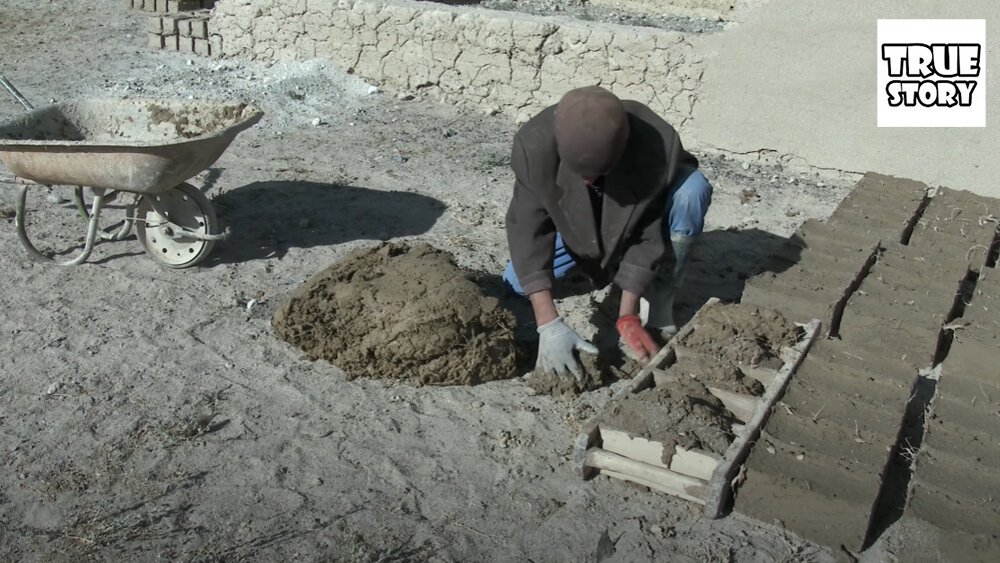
x,y
150,413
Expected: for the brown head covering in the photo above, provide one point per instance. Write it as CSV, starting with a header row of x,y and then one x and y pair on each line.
x,y
591,128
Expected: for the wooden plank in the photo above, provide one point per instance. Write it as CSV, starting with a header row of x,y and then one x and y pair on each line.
x,y
696,463
659,478
651,485
637,448
720,486
693,462
742,406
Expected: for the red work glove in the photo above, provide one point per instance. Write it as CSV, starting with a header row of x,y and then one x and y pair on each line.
x,y
630,327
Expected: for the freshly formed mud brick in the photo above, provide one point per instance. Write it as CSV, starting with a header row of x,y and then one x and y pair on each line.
x,y
910,349
984,307
169,24
827,401
903,328
883,203
815,497
972,510
155,41
982,430
870,386
826,472
836,239
948,434
977,390
867,357
202,47
199,29
897,303
866,445
970,374
960,212
792,303
823,283
215,45
805,290
155,25
919,269
953,221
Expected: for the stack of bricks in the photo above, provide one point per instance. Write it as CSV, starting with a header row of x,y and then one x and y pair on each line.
x,y
185,32
184,27
169,6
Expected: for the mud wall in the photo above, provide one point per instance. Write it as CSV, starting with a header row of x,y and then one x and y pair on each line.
x,y
500,61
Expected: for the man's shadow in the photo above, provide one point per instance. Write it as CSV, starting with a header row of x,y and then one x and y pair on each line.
x,y
269,218
721,263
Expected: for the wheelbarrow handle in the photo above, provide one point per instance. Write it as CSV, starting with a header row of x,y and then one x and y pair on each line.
x,y
10,88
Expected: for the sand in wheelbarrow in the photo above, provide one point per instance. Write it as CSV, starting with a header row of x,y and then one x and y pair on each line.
x,y
196,119
401,313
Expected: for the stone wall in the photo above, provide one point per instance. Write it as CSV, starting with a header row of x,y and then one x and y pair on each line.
x,y
501,61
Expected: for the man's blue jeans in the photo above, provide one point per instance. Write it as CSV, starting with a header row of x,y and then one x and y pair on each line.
x,y
687,205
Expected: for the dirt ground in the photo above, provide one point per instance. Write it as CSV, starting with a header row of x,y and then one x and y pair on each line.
x,y
150,413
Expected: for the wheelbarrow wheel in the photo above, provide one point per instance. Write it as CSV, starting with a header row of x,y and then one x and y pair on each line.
x,y
169,225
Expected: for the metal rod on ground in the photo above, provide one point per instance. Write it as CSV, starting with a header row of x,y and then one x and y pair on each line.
x,y
10,88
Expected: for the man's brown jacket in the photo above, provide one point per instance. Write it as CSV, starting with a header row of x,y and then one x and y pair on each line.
x,y
628,246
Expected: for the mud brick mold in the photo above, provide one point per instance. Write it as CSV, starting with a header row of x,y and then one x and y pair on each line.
x,y
616,448
896,413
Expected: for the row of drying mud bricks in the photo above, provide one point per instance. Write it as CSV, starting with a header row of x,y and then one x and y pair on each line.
x,y
829,446
169,6
184,27
185,33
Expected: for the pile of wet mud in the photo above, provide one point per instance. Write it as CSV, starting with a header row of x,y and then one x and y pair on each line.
x,y
401,313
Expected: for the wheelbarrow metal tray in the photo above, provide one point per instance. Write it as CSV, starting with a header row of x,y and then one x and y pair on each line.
x,y
135,145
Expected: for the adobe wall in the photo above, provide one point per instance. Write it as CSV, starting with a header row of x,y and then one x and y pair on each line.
x,y
500,61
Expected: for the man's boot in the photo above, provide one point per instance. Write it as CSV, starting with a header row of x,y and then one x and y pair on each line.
x,y
657,312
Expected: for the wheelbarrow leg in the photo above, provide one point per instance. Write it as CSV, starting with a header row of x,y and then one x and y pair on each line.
x,y
105,234
88,247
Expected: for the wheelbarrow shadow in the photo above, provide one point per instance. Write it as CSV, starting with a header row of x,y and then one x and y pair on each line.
x,y
269,218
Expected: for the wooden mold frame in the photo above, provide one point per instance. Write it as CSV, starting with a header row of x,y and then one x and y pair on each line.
x,y
695,475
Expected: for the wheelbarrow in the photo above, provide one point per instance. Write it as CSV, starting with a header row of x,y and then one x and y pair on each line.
x,y
144,148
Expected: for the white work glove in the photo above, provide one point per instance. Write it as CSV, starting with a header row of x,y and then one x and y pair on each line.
x,y
556,343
